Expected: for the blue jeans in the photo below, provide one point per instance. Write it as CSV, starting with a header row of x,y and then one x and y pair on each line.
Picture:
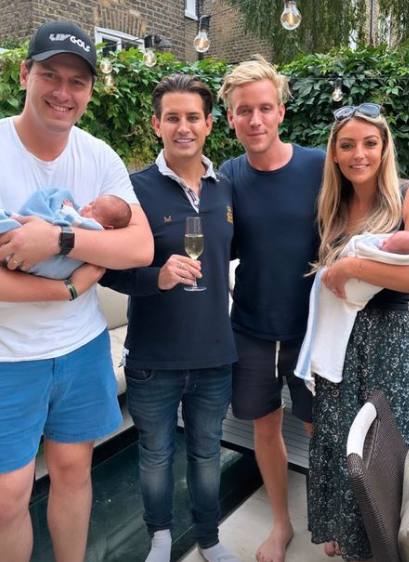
x,y
153,401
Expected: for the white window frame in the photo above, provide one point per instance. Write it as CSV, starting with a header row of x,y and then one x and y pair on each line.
x,y
190,9
118,37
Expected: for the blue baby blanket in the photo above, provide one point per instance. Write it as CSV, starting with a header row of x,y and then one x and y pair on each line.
x,y
48,205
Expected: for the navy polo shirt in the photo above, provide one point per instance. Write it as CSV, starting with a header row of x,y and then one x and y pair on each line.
x,y
177,329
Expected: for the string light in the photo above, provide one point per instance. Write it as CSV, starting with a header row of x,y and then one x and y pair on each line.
x,y
149,56
106,66
337,94
201,42
291,17
109,81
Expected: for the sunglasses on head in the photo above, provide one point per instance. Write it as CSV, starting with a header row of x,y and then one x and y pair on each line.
x,y
367,109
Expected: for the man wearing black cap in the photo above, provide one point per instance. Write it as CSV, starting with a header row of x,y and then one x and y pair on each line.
x,y
57,37
56,374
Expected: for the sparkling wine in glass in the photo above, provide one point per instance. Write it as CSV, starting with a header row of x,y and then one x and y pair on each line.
x,y
194,244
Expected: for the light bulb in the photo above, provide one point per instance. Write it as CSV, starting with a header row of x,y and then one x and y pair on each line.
x,y
201,42
109,81
106,66
337,94
291,17
149,58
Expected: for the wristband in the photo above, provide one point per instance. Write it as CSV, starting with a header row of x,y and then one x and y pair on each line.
x,y
72,289
359,271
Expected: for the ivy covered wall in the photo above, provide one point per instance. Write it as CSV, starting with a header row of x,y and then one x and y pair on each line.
x,y
121,115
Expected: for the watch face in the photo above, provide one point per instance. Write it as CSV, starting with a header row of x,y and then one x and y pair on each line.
x,y
67,239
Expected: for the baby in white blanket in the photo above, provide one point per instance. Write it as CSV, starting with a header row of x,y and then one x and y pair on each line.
x,y
397,243
331,318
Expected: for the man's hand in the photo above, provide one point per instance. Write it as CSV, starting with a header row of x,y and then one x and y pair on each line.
x,y
178,269
85,276
36,241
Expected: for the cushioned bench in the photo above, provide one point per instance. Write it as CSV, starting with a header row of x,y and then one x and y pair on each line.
x,y
114,306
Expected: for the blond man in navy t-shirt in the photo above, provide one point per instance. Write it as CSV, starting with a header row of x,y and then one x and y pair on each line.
x,y
275,186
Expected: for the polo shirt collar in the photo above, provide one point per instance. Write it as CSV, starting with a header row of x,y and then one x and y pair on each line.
x,y
166,171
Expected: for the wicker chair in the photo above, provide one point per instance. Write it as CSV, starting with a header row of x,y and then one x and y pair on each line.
x,y
376,460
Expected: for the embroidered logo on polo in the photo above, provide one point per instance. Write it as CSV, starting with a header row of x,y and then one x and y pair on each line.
x,y
73,39
229,214
167,219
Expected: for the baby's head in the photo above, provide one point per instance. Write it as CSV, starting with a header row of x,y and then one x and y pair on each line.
x,y
109,210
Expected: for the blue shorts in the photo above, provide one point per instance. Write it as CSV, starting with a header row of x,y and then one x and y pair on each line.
x,y
69,399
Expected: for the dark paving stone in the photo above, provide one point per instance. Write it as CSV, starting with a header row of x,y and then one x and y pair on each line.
x,y
117,530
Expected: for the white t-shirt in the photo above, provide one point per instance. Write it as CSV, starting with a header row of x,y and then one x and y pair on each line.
x,y
88,167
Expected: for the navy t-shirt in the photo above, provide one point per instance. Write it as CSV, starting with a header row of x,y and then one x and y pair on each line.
x,y
276,237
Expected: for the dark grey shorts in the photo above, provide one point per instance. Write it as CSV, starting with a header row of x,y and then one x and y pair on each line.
x,y
257,389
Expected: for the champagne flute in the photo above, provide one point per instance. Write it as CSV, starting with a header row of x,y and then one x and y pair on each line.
x,y
194,244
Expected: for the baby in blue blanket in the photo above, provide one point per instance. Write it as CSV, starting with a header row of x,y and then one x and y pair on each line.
x,y
107,211
56,205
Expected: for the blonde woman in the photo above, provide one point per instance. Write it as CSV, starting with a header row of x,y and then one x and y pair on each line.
x,y
361,192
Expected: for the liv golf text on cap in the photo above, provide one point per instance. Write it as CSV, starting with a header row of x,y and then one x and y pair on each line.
x,y
57,37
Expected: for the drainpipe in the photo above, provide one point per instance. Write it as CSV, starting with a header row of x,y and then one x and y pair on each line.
x,y
372,23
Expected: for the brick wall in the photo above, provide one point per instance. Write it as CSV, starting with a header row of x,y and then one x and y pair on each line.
x,y
372,17
136,17
229,40
189,32
15,21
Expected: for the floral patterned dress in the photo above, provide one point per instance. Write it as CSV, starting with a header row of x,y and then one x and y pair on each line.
x,y
377,357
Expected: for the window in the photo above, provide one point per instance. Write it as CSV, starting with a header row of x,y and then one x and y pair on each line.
x,y
116,40
385,30
190,9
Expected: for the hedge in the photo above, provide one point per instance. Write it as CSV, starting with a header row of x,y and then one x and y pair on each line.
x,y
121,115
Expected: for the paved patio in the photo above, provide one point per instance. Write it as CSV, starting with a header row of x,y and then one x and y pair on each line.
x,y
244,530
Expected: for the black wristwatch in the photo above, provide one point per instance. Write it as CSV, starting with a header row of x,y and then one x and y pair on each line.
x,y
66,240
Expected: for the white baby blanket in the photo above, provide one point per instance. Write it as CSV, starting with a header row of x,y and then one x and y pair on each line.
x,y
331,319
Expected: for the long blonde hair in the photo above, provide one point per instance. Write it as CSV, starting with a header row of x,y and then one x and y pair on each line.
x,y
336,192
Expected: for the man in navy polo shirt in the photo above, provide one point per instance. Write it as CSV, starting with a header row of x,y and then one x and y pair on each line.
x,y
275,187
180,345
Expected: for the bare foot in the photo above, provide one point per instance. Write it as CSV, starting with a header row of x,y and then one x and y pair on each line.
x,y
274,547
331,548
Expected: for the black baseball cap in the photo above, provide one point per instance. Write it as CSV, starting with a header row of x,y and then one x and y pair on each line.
x,y
57,37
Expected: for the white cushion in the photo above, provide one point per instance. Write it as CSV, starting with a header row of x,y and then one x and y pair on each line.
x,y
114,306
117,344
